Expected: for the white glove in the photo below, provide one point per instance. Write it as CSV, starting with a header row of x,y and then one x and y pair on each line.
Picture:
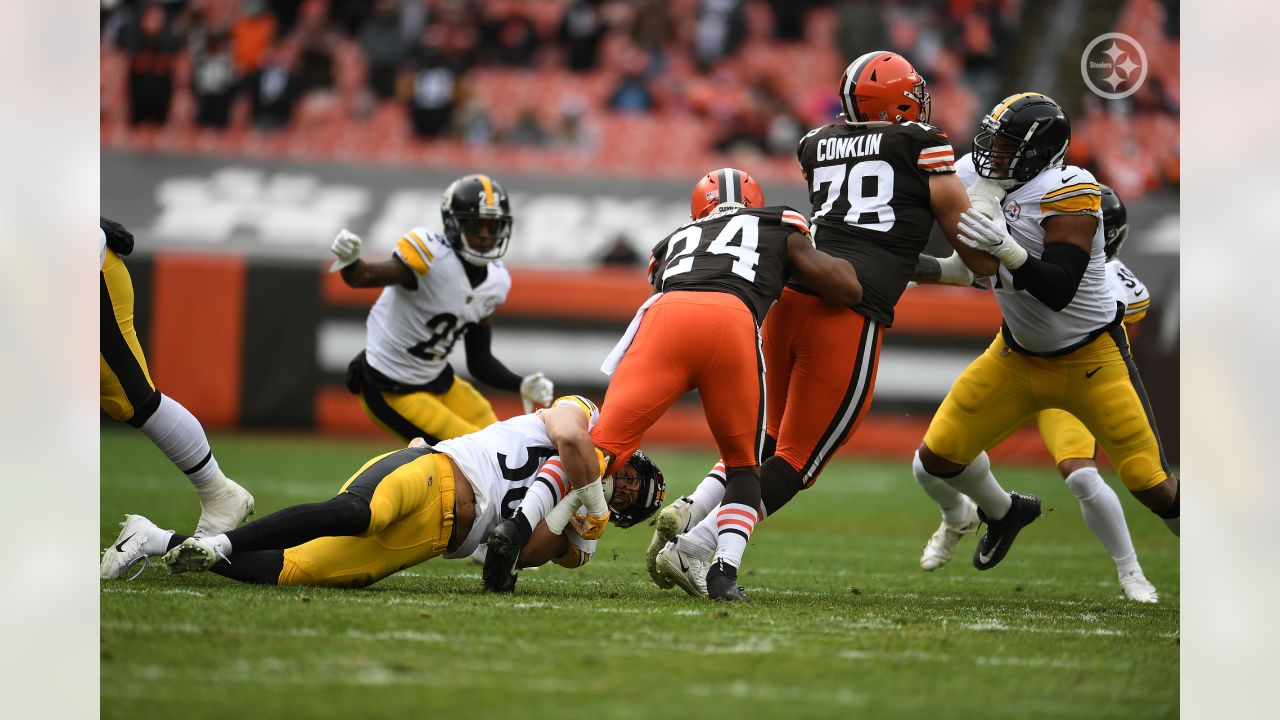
x,y
347,247
992,237
417,443
562,513
985,196
955,272
536,391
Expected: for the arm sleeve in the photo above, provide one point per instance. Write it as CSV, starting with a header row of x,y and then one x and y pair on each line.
x,y
483,365
1055,277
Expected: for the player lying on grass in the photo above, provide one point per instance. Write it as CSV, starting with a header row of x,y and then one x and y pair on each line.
x,y
411,505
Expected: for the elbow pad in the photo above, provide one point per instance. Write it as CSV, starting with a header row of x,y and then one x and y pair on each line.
x,y
1055,277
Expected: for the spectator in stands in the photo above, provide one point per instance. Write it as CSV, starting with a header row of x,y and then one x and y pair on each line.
x,y
575,129
508,30
213,80
274,89
475,125
632,93
384,48
317,42
527,131
722,26
252,33
860,28
581,31
436,88
652,26
153,48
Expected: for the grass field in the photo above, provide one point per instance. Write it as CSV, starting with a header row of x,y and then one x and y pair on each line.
x,y
844,622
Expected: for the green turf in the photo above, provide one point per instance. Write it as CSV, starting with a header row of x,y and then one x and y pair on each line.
x,y
844,622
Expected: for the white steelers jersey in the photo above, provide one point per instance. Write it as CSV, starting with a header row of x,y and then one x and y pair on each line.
x,y
102,248
502,461
1064,190
410,332
1129,290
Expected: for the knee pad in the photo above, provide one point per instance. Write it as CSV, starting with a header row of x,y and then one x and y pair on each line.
x,y
351,512
1083,483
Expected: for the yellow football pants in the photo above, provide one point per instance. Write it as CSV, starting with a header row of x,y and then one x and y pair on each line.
x,y
124,381
1098,384
410,495
456,412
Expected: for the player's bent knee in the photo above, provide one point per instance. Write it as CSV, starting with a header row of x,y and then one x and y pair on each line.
x,y
1070,465
936,465
352,512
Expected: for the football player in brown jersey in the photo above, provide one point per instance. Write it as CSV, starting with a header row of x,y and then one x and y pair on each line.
x,y
879,178
714,280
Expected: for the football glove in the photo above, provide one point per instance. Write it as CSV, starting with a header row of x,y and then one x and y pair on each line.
x,y
536,391
597,509
985,196
347,247
118,238
992,237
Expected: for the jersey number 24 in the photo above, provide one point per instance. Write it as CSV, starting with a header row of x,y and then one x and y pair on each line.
x,y
745,257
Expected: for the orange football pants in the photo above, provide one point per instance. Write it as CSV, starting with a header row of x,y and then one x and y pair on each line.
x,y
822,362
689,340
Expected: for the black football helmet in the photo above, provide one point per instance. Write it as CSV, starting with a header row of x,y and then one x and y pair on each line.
x,y
477,218
1021,137
641,482
1115,222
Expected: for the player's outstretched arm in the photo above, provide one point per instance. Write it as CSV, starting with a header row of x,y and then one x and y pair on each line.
x,y
567,428
833,278
948,199
357,273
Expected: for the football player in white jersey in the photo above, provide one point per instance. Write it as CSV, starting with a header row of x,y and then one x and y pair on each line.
x,y
1062,344
1073,449
127,394
408,506
437,289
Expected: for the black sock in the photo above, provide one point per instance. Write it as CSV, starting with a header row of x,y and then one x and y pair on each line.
x,y
260,567
779,482
742,486
768,447
346,514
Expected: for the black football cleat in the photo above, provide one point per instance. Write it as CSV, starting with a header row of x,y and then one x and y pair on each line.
x,y
505,543
996,541
722,583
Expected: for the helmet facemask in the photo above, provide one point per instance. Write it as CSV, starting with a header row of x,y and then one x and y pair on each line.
x,y
635,492
1009,159
482,237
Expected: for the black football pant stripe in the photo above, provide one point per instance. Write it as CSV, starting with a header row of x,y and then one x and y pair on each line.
x,y
761,416
856,395
119,357
1122,342
398,423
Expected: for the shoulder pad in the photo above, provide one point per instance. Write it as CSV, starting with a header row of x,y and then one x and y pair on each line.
x,y
1068,189
419,248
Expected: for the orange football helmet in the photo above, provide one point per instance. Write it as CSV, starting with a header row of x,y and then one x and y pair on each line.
x,y
883,86
721,186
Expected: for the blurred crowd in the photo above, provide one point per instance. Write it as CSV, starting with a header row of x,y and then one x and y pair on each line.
x,y
644,86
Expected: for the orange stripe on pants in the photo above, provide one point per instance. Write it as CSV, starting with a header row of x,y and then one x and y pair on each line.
x,y
688,340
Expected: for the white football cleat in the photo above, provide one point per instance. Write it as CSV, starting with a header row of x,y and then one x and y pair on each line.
x,y
192,555
1137,588
677,567
942,545
126,551
223,506
671,521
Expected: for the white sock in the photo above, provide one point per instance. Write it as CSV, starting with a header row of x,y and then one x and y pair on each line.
x,y
1104,515
1173,524
708,494
977,482
157,542
949,500
734,524
702,537
180,437
220,543
548,488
